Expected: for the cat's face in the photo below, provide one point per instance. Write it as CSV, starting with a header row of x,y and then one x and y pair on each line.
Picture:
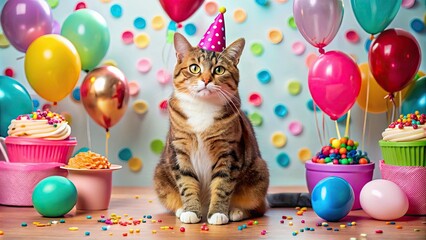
x,y
205,74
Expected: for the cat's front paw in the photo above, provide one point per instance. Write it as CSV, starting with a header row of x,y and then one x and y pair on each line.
x,y
236,215
179,212
189,217
218,219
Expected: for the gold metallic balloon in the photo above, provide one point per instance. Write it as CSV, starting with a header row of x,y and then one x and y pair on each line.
x,y
105,95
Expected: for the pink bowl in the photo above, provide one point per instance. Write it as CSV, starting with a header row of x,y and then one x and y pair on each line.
x,y
17,180
21,149
356,175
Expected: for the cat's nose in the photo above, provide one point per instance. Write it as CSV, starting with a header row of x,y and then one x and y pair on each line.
x,y
206,80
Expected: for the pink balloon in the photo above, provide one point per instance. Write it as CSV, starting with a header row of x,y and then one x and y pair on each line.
x,y
180,10
23,21
318,21
383,200
334,81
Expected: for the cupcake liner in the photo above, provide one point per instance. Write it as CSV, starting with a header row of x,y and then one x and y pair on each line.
x,y
404,153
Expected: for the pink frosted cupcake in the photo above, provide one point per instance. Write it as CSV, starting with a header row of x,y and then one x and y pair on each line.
x,y
41,136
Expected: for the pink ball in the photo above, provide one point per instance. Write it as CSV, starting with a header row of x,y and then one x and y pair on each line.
x,y
383,200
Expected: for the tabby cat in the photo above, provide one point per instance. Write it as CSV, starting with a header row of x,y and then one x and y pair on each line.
x,y
211,165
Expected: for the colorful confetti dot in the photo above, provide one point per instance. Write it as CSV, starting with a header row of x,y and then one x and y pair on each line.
x,y
140,106
139,23
264,76
240,15
283,160
116,10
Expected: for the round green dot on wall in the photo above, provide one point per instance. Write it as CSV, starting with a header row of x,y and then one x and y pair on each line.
x,y
256,119
135,164
292,23
283,160
157,146
278,139
53,3
294,87
256,48
304,154
125,154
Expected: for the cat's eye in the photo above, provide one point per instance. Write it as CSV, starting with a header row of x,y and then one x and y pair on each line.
x,y
194,68
219,70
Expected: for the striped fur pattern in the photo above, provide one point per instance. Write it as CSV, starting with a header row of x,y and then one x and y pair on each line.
x,y
211,166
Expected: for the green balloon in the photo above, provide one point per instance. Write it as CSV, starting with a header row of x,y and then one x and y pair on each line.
x,y
54,196
14,101
89,33
375,15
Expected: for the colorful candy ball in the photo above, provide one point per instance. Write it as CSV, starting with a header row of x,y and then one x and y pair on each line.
x,y
383,200
54,196
332,198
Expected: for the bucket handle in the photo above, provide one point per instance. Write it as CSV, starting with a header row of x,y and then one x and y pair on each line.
x,y
3,148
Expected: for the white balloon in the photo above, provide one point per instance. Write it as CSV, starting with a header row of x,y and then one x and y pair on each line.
x,y
383,200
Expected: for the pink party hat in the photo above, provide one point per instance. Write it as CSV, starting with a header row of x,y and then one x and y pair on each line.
x,y
214,38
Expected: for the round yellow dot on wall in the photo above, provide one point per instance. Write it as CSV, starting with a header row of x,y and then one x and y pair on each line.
x,y
67,116
304,154
278,139
158,23
109,62
275,36
240,15
140,106
4,43
142,40
294,87
135,164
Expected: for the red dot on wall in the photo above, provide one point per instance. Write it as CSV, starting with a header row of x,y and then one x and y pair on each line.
x,y
9,72
80,5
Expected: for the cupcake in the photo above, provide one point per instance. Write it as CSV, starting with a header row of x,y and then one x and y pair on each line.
x,y
41,136
404,141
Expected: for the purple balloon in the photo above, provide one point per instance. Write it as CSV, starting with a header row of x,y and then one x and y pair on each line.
x,y
318,20
56,27
25,20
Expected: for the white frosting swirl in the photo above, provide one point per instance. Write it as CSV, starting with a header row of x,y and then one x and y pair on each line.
x,y
39,129
407,134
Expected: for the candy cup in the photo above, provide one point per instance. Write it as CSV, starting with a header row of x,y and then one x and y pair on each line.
x,y
332,198
383,200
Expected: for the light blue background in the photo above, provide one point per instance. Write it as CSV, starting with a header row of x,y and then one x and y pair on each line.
x,y
136,132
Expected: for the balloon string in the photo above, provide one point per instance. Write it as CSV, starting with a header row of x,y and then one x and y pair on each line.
x,y
348,119
367,99
337,129
106,142
316,124
371,37
19,58
89,140
324,128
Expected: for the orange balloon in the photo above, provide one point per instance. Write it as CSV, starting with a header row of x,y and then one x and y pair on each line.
x,y
377,103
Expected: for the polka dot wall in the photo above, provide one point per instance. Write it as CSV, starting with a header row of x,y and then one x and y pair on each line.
x,y
273,85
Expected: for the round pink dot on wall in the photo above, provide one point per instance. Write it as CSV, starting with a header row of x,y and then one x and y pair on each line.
x,y
127,37
163,76
298,48
144,65
255,99
133,88
295,128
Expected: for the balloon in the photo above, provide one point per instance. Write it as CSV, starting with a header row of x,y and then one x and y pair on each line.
x,y
377,103
54,196
180,10
332,198
416,98
52,67
105,94
334,82
383,200
318,21
11,91
23,21
89,33
394,59
375,15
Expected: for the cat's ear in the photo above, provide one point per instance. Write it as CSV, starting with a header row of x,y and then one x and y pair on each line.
x,y
235,50
182,46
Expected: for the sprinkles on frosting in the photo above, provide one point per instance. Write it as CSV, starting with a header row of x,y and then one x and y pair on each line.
x,y
410,120
51,117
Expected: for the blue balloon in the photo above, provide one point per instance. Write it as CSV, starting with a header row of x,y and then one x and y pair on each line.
x,y
14,101
332,198
416,98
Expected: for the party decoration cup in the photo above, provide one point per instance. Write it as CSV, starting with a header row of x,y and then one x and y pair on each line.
x,y
394,59
89,33
24,21
105,95
52,67
334,82
94,187
318,21
180,10
375,15
12,91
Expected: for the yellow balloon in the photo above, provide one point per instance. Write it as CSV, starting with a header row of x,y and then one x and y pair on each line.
x,y
377,103
52,67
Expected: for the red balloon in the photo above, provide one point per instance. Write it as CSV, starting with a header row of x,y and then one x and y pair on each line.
x,y
394,59
180,10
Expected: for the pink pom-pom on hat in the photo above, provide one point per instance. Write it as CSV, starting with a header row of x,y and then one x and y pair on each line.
x,y
214,38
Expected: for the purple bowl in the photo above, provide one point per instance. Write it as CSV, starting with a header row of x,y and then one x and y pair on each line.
x,y
356,175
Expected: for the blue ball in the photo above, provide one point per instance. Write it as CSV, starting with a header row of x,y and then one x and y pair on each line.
x,y
332,198
54,196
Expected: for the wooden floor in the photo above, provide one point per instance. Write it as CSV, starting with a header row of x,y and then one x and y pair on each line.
x,y
137,203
